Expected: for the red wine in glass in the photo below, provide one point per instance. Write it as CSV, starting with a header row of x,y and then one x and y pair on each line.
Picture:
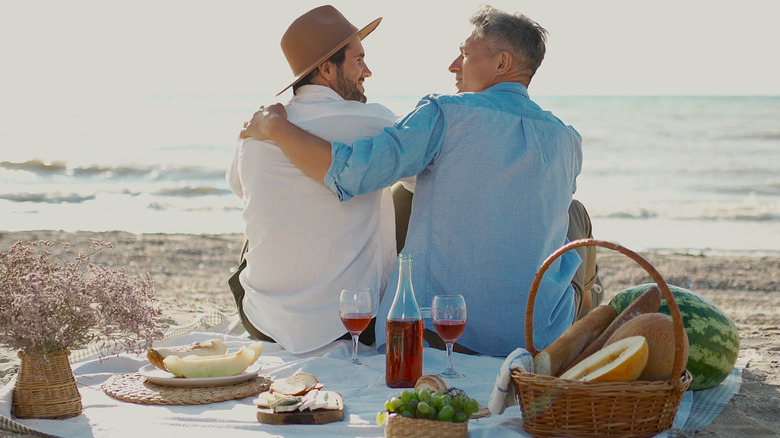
x,y
356,322
356,307
449,320
449,329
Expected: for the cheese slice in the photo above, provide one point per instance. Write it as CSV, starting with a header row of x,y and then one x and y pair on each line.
x,y
308,400
288,408
333,401
320,401
284,400
264,399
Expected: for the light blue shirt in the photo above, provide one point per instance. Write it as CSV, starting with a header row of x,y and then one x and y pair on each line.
x,y
496,175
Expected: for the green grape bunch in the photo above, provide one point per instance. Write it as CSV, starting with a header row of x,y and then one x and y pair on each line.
x,y
453,406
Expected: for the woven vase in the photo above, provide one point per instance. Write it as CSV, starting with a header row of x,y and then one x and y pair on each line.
x,y
45,387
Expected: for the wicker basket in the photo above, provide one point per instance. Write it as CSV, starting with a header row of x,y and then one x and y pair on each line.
x,y
45,387
397,426
558,407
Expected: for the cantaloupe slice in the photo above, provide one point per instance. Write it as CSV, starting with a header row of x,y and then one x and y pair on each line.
x,y
658,331
213,366
622,361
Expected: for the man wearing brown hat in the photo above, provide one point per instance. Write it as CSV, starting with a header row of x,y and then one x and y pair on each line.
x,y
303,246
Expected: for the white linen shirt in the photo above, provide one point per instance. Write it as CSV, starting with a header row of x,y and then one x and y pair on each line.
x,y
304,245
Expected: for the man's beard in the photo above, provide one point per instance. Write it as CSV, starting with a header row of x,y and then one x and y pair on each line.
x,y
348,90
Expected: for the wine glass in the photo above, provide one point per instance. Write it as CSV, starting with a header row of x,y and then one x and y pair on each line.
x,y
449,320
356,308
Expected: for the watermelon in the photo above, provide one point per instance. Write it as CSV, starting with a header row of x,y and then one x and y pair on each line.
x,y
713,336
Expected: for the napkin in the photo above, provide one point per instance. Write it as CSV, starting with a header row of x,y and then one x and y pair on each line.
x,y
503,394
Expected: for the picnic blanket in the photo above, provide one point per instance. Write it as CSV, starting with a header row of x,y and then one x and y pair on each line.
x,y
362,387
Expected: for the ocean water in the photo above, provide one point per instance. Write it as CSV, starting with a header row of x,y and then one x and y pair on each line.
x,y
697,175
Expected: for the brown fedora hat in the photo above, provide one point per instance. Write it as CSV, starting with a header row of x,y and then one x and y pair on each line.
x,y
315,36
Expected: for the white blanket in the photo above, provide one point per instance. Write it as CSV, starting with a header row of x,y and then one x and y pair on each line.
x,y
362,386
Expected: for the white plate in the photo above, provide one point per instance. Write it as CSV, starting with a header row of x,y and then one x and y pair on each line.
x,y
160,377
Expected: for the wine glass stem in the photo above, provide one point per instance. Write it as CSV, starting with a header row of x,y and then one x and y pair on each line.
x,y
449,355
354,348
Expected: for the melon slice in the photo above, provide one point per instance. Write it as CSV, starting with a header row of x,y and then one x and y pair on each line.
x,y
658,331
622,361
213,347
713,336
257,348
211,366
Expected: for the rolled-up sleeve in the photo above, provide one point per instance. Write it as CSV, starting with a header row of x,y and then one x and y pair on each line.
x,y
398,152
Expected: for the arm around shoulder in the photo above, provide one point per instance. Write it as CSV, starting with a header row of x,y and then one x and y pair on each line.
x,y
310,153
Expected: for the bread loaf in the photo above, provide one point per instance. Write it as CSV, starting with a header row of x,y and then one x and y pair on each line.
x,y
648,302
557,356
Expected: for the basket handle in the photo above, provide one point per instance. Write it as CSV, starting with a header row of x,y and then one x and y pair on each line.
x,y
674,310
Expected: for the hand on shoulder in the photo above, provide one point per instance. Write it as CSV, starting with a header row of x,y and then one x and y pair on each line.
x,y
259,126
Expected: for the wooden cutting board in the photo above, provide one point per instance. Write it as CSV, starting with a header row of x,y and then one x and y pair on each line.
x,y
320,416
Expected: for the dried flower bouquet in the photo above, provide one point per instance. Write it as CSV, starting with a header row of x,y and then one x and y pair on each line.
x,y
49,303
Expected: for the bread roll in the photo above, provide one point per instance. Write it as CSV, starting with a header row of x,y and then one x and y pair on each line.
x,y
431,383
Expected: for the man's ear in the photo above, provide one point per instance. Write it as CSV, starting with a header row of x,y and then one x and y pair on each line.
x,y
327,71
505,62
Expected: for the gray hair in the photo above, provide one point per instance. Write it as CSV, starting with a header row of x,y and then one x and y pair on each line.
x,y
517,34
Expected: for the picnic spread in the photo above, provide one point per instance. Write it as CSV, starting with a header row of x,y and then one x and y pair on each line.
x,y
120,401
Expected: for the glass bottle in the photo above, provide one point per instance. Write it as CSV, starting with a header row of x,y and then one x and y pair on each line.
x,y
404,330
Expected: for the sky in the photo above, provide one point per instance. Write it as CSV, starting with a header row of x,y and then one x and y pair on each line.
x,y
55,54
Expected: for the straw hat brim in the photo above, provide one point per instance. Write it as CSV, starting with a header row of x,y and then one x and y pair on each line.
x,y
362,33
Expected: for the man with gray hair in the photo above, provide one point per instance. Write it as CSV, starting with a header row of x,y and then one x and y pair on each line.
x,y
495,178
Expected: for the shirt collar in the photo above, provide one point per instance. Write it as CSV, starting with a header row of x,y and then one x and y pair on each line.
x,y
511,87
311,91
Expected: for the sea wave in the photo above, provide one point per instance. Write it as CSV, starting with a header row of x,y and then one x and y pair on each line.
x,y
38,166
154,172
759,135
641,213
754,189
192,191
733,215
48,198
76,198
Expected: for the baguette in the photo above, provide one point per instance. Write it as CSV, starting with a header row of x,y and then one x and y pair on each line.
x,y
648,302
557,356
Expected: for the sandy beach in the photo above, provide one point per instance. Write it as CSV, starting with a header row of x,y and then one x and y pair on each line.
x,y
190,274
